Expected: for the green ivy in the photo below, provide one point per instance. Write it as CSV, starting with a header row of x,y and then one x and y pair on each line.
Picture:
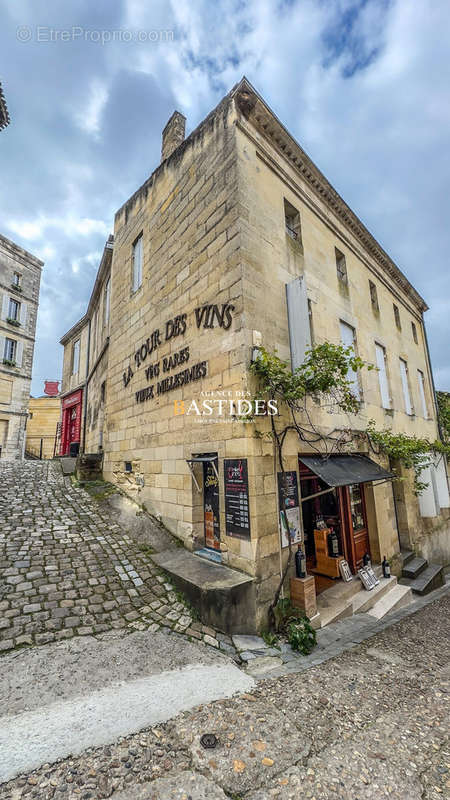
x,y
443,401
301,636
411,451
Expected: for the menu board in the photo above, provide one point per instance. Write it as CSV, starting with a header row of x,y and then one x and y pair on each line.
x,y
289,500
237,513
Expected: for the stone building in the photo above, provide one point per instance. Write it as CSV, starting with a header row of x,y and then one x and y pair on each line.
x,y
85,368
43,424
237,240
20,277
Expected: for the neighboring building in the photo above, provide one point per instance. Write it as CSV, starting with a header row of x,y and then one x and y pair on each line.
x,y
4,116
43,423
20,277
85,367
237,240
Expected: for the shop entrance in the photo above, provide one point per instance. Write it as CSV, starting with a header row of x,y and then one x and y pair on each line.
x,y
342,511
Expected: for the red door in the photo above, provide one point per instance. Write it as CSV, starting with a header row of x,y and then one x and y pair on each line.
x,y
355,525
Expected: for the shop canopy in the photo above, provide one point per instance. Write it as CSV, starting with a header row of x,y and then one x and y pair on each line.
x,y
344,470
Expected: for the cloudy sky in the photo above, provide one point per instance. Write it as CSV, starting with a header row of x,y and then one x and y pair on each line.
x,y
363,85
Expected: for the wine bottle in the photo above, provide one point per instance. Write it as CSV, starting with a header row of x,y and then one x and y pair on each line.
x,y
386,568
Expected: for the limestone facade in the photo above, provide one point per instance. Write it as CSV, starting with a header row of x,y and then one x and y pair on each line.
x,y
203,252
20,277
44,414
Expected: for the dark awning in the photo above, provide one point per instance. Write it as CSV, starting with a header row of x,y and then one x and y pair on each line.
x,y
344,470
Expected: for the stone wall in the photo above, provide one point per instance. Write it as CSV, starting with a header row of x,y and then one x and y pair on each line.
x,y
45,413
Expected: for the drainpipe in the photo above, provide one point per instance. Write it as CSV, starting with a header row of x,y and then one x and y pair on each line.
x,y
433,388
86,386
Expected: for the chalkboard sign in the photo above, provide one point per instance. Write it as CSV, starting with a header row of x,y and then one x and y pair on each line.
x,y
237,512
289,501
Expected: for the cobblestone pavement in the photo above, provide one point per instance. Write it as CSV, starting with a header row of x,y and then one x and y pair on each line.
x,y
371,723
66,568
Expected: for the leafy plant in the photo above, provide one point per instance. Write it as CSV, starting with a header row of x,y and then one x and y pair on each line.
x,y
12,321
443,401
8,363
301,635
271,639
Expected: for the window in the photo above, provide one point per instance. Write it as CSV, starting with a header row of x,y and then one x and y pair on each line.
x,y
341,266
405,386
9,353
348,338
380,353
107,301
397,317
103,392
311,323
137,264
292,222
414,332
76,357
13,310
16,278
373,296
421,379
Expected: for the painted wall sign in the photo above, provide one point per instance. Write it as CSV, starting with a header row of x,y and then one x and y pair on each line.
x,y
237,510
207,316
289,500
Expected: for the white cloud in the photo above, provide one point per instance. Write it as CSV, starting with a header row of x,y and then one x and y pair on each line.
x,y
33,230
89,116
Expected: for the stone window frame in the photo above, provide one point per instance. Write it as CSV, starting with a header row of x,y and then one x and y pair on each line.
x,y
76,356
292,221
341,266
397,319
414,332
137,276
373,296
16,304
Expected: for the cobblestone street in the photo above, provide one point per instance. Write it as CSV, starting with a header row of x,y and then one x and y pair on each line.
x,y
67,569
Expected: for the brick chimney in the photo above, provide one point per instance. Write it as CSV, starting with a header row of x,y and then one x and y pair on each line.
x,y
173,134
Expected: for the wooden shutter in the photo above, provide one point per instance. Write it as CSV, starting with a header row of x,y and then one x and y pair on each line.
x,y
2,348
19,353
5,306
23,313
298,320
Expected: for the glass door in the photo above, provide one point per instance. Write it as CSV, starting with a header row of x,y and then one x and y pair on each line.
x,y
357,534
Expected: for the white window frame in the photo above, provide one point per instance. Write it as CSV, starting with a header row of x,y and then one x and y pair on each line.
x,y
19,278
16,304
383,381
346,329
76,357
421,382
12,345
409,408
138,255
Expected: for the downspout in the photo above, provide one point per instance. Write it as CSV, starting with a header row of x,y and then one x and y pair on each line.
x,y
86,386
433,388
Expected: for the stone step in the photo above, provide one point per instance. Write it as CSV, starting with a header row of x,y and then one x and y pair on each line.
x,y
343,590
330,614
407,555
414,567
365,600
430,578
397,597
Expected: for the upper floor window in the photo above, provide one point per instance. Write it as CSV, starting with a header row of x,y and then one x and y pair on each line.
x,y
292,221
414,332
10,350
373,296
341,266
348,339
107,301
14,310
137,264
380,353
405,386
16,278
421,379
76,357
397,317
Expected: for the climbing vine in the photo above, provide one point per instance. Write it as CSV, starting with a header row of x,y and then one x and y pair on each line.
x,y
327,378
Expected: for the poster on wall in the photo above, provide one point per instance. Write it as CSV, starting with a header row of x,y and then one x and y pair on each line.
x,y
211,506
237,512
289,500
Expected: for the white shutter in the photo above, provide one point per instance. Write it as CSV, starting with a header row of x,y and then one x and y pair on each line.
x,y
298,320
406,395
23,313
382,377
348,340
422,393
2,348
5,306
19,354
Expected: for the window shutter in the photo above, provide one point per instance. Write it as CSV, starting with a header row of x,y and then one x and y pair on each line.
x,y
5,306
382,377
19,354
2,348
348,340
405,386
298,320
23,313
